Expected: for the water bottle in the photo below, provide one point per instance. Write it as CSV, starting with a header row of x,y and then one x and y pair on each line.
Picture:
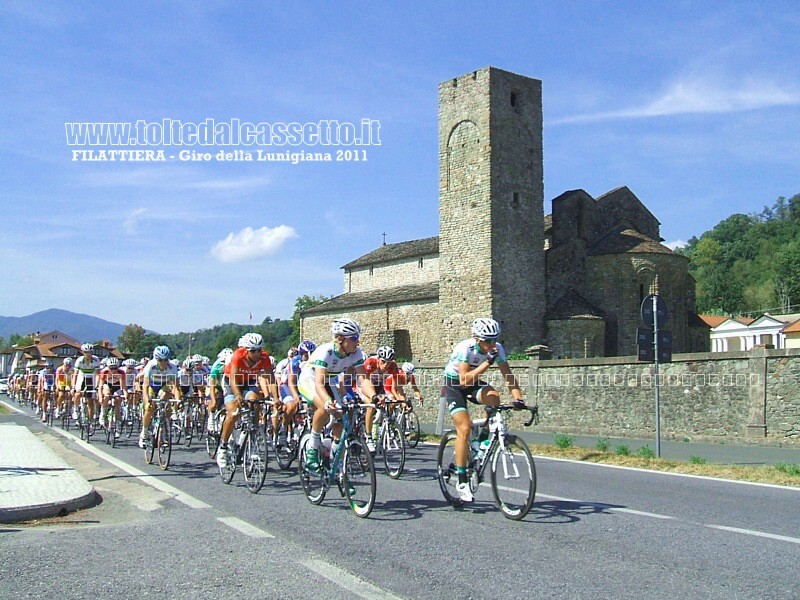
x,y
484,446
476,446
326,447
242,435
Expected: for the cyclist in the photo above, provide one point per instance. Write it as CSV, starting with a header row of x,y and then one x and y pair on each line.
x,y
377,368
112,381
215,379
318,382
290,396
472,358
247,374
160,380
63,383
46,383
83,380
395,385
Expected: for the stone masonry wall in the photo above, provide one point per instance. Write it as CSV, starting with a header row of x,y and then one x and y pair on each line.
x,y
752,396
391,274
421,318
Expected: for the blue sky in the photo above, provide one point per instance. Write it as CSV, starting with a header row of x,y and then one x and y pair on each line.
x,y
693,105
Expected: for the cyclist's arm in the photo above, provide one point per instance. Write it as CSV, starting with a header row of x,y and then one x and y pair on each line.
x,y
232,380
467,377
364,382
291,383
266,381
511,380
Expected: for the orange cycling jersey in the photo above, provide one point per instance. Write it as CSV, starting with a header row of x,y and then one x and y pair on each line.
x,y
247,372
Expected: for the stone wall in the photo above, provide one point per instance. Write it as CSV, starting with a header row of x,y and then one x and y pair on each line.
x,y
391,274
422,319
752,396
582,337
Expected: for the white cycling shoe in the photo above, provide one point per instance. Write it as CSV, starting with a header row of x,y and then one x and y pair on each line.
x,y
464,492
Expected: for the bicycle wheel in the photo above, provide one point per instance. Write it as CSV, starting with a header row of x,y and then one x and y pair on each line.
x,y
199,421
393,448
285,454
358,477
149,445
411,428
314,484
513,478
229,470
164,444
446,468
212,444
255,460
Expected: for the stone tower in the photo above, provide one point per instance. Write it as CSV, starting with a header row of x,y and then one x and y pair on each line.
x,y
491,196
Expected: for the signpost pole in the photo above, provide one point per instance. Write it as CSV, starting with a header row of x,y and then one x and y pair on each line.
x,y
658,387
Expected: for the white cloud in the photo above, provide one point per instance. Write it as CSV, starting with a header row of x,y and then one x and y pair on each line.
x,y
250,243
132,220
675,245
702,93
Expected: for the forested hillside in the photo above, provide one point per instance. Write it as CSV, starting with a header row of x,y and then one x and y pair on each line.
x,y
749,263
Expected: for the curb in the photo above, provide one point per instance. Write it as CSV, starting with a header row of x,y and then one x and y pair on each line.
x,y
36,483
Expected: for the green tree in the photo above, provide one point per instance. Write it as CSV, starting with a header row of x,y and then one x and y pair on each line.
x,y
303,303
19,340
131,337
787,275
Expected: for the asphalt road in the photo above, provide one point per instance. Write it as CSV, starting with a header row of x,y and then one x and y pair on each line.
x,y
594,532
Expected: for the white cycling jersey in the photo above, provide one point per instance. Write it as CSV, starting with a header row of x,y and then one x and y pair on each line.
x,y
468,351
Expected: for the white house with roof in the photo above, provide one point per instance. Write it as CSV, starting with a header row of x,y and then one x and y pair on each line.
x,y
742,334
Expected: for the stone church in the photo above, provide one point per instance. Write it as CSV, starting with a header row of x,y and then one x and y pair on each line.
x,y
573,280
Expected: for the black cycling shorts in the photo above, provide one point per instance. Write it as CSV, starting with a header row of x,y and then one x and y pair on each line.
x,y
457,396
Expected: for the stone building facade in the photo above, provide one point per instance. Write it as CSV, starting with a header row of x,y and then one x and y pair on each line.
x,y
573,280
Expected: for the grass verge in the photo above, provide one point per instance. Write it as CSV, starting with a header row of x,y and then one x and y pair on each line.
x,y
779,474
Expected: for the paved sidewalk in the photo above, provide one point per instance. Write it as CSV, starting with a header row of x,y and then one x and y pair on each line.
x,y
35,483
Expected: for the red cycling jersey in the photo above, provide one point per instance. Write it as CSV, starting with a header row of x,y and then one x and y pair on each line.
x,y
247,372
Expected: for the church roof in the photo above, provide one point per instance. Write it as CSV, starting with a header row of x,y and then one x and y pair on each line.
x,y
403,293
623,239
573,306
390,252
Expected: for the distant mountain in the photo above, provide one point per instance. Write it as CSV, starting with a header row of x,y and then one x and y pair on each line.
x,y
83,328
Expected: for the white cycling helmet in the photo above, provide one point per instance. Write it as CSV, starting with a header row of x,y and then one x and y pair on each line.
x,y
187,362
408,368
67,362
129,362
225,354
346,327
87,347
251,341
112,362
386,353
205,360
161,352
197,359
485,329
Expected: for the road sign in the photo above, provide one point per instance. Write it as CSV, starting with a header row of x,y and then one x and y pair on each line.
x,y
661,310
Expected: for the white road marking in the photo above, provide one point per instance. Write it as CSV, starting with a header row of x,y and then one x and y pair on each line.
x,y
244,527
670,474
150,480
347,581
12,407
772,536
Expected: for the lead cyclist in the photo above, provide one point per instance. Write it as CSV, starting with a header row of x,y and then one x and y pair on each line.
x,y
472,358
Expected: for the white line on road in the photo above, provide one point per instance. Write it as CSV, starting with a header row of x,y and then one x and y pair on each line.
x,y
14,408
670,474
244,527
347,581
150,480
772,536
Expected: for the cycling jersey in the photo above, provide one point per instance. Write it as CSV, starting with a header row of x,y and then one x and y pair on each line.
x,y
159,377
246,373
327,358
376,375
468,351
63,378
113,378
86,370
399,379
